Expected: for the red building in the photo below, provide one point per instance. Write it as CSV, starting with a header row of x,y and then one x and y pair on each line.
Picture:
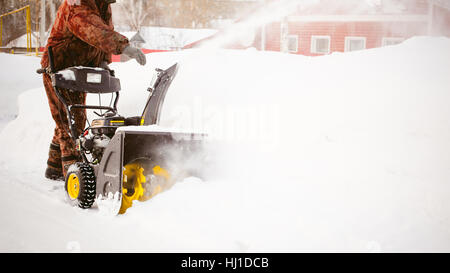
x,y
340,26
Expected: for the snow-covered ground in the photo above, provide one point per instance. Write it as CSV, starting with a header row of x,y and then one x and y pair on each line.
x,y
345,152
18,74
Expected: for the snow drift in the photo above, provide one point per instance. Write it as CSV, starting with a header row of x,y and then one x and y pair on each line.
x,y
17,75
346,152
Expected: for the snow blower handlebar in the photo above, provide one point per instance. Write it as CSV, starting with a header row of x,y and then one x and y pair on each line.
x,y
51,67
82,79
50,59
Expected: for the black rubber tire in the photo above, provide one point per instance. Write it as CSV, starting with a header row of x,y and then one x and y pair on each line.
x,y
87,180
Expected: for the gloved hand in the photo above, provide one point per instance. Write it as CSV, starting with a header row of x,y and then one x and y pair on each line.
x,y
104,65
135,53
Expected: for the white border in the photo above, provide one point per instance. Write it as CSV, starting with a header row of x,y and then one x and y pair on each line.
x,y
313,43
354,38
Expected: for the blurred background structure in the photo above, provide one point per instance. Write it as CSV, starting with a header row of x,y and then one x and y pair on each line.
x,y
307,27
128,16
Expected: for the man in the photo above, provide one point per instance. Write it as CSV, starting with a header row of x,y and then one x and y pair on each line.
x,y
82,35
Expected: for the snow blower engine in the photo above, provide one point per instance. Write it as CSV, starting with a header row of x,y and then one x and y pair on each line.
x,y
123,159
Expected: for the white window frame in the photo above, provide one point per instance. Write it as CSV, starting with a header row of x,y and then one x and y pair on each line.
x,y
296,41
387,39
348,39
314,45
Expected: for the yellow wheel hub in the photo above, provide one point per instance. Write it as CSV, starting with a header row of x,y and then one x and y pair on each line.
x,y
137,187
73,186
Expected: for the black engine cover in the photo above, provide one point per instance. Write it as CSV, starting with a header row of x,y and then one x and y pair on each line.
x,y
86,79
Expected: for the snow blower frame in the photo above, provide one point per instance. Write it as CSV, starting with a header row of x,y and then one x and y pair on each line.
x,y
121,159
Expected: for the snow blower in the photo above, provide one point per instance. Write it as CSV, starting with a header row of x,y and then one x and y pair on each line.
x,y
123,159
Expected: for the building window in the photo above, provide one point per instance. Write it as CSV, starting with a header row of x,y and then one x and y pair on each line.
x,y
387,41
355,43
320,44
293,43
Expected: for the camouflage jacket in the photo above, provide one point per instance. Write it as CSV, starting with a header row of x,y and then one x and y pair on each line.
x,y
83,35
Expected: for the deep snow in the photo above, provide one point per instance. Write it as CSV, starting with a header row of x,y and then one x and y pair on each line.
x,y
17,76
346,152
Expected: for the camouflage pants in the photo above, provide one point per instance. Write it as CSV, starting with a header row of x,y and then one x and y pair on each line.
x,y
62,148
